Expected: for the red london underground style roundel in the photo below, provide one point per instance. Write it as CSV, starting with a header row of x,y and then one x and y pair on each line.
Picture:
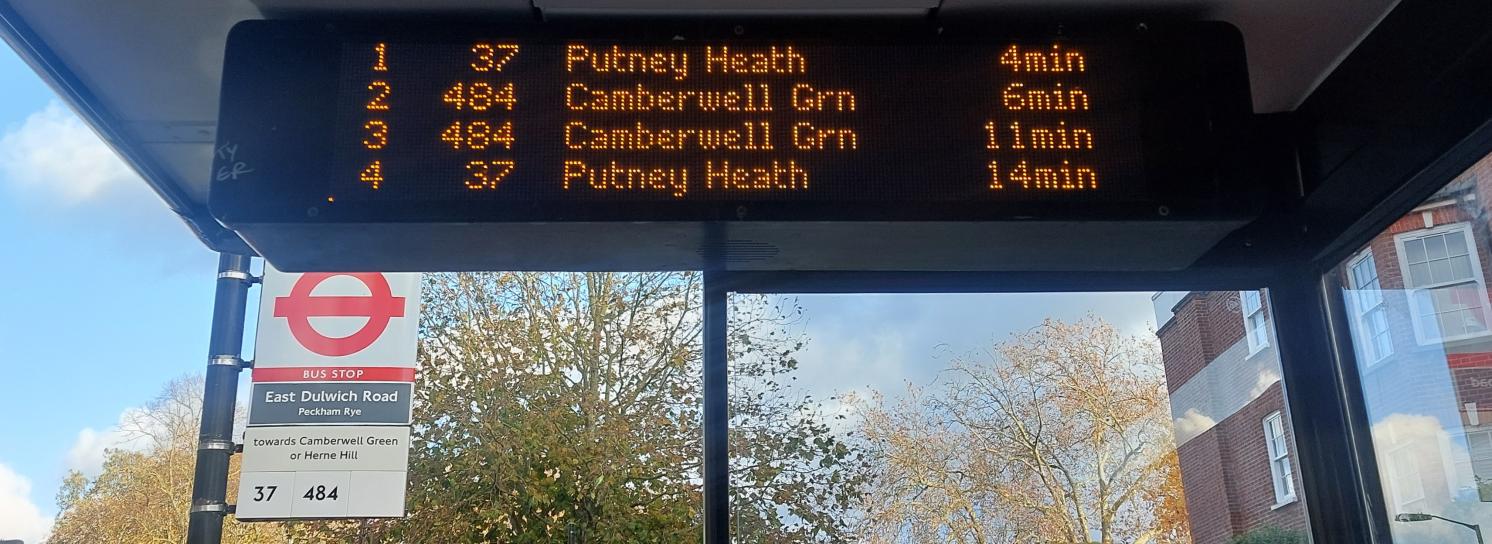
x,y
379,307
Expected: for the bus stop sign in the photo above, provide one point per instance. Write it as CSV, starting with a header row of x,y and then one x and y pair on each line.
x,y
331,400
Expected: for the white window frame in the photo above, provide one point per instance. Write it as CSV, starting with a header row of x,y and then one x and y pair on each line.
x,y
1477,456
1421,331
1362,312
1255,345
1281,472
1400,461
1403,467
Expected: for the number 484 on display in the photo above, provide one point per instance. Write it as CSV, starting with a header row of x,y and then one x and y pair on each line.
x,y
318,493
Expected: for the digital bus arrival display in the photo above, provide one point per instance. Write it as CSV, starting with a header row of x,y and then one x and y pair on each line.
x,y
607,121
324,123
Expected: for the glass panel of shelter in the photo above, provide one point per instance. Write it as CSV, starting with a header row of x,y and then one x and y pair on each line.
x,y
1034,417
1417,301
870,418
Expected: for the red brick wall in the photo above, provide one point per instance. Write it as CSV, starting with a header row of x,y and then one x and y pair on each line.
x,y
1181,342
1472,375
1208,507
1226,477
1225,470
1224,322
1248,455
1204,325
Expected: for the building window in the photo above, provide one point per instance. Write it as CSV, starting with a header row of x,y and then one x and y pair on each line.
x,y
1371,315
1404,479
1255,326
1480,444
1279,459
1446,290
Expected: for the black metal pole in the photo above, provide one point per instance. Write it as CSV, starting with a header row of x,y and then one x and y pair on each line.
x,y
215,441
716,416
1318,386
1475,528
1359,429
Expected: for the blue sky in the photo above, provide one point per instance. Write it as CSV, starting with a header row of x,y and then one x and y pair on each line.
x,y
108,296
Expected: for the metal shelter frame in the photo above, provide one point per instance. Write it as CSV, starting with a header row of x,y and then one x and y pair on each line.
x,y
1364,153
1307,318
1401,115
1316,393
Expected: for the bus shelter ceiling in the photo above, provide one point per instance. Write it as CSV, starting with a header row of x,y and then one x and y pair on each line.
x,y
145,75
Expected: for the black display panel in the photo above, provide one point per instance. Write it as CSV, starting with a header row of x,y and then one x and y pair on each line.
x,y
665,145
335,123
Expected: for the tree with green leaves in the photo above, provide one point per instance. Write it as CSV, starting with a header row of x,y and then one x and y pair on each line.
x,y
566,408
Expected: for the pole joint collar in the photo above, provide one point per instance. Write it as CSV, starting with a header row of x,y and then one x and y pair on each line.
x,y
211,507
229,360
213,444
239,275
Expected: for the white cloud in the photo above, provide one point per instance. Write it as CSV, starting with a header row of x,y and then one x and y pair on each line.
x,y
881,342
876,359
87,453
90,449
53,151
19,517
1267,377
73,184
1191,424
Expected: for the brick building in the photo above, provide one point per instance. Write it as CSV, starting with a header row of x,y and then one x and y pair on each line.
x,y
1417,302
1232,431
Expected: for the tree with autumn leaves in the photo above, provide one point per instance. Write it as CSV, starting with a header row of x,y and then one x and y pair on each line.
x,y
144,492
566,408
1059,434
